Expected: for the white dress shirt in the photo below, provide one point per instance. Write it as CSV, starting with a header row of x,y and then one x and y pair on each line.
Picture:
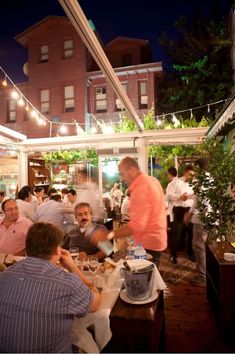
x,y
171,196
54,212
26,209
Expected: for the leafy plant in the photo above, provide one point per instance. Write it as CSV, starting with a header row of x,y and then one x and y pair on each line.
x,y
125,124
215,205
71,156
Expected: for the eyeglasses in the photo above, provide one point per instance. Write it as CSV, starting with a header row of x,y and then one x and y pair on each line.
x,y
11,209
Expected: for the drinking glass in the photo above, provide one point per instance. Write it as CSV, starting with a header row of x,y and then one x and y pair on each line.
x,y
74,251
93,265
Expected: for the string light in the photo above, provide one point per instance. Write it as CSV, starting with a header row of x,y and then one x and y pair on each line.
x,y
21,101
4,83
159,122
93,130
104,127
174,119
63,129
14,94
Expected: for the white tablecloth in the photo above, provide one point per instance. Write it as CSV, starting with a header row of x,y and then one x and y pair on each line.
x,y
99,320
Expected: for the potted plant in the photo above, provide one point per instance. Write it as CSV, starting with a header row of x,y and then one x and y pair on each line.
x,y
212,189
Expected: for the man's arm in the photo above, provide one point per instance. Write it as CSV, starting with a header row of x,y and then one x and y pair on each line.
x,y
68,263
102,235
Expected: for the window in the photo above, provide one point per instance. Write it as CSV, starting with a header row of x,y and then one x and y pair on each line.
x,y
11,111
119,105
100,99
126,60
68,48
45,101
44,53
69,98
143,97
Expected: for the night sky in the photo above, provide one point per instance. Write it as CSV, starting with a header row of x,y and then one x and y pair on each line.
x,y
131,18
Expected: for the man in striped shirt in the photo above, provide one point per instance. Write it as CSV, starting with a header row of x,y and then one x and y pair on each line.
x,y
39,299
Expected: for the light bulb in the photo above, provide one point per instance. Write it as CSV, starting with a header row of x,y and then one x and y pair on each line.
x,y
21,101
15,94
33,113
174,119
159,122
93,130
63,129
4,83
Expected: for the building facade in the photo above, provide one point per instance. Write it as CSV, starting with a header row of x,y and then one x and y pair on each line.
x,y
66,86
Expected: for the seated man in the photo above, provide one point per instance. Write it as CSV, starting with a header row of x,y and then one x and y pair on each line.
x,y
78,237
13,229
39,299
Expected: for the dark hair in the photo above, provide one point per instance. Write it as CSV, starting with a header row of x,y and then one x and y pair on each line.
x,y
38,189
2,193
55,197
24,193
82,204
64,190
72,192
42,240
172,171
4,203
188,168
52,191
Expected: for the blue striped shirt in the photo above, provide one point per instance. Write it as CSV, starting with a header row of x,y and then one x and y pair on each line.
x,y
37,304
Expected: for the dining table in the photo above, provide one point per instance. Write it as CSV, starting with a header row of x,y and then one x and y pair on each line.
x,y
121,325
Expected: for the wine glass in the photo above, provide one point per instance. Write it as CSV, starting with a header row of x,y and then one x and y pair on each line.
x,y
93,264
74,251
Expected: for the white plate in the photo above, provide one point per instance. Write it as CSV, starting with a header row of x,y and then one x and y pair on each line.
x,y
125,298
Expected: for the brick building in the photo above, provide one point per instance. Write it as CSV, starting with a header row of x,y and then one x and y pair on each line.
x,y
65,84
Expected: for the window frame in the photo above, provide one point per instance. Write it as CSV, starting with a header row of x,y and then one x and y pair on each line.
x,y
44,55
68,49
100,99
70,99
11,110
142,97
45,102
117,100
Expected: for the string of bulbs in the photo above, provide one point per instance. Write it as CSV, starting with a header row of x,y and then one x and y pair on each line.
x,y
105,128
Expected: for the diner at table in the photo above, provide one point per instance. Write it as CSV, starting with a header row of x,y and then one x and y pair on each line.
x,y
41,294
91,332
79,237
13,229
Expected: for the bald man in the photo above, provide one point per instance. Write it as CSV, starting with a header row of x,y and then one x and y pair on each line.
x,y
148,223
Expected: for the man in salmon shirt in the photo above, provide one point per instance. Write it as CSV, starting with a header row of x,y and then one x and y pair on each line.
x,y
148,223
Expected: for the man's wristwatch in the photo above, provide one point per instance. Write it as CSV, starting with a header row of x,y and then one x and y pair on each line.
x,y
110,235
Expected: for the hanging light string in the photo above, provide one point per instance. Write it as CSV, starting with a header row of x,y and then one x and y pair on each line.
x,y
191,109
104,126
